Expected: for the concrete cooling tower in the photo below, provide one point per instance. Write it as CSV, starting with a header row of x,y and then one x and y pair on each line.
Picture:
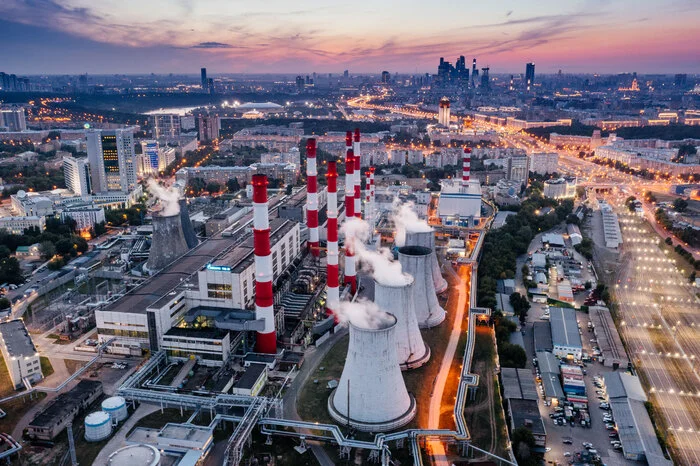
x,y
417,261
427,240
397,299
371,395
187,228
168,242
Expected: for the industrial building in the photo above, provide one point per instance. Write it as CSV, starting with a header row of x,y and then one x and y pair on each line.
x,y
543,336
550,373
252,381
611,226
19,353
521,397
636,431
54,418
460,204
566,339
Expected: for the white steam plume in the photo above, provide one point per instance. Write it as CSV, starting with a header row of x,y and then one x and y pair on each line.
x,y
379,263
405,219
168,196
363,314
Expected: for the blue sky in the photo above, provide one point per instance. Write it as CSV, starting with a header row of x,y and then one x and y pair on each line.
x,y
163,36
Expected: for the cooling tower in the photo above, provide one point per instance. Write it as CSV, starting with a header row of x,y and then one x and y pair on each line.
x,y
397,299
168,242
417,261
427,240
371,383
187,228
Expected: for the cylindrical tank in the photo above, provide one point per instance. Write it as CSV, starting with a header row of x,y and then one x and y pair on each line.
x,y
397,298
135,455
98,426
168,242
371,395
116,408
427,240
416,261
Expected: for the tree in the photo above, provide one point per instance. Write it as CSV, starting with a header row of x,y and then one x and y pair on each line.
x,y
195,186
232,185
213,187
47,250
523,442
10,271
520,305
4,251
56,263
64,246
288,190
680,204
512,355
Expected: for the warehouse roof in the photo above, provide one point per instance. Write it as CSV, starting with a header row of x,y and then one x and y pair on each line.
x,y
543,336
526,413
251,376
564,327
548,363
66,403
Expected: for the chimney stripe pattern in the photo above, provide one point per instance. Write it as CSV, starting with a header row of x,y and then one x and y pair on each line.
x,y
312,197
350,274
333,295
358,175
466,166
267,339
371,195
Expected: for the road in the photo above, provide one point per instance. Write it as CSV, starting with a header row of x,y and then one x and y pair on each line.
x,y
437,448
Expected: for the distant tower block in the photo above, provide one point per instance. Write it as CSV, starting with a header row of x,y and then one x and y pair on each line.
x,y
417,261
427,240
312,197
444,112
398,300
372,384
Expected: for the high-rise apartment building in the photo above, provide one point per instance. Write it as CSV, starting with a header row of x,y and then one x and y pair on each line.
x,y
13,119
209,127
518,168
112,160
76,172
529,75
165,126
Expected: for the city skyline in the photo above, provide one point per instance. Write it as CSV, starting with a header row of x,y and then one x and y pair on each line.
x,y
408,37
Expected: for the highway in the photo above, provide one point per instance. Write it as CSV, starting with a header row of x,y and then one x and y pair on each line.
x,y
659,321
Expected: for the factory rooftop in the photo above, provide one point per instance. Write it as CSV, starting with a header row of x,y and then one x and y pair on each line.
x,y
66,404
251,376
564,327
518,384
16,339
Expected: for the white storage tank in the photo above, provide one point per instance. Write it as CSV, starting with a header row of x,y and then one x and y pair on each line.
x,y
115,406
135,455
98,426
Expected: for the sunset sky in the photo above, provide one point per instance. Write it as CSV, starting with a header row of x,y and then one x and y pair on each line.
x,y
302,36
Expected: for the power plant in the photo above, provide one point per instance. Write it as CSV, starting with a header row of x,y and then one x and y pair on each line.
x,y
187,228
267,338
168,242
426,239
417,262
397,299
371,395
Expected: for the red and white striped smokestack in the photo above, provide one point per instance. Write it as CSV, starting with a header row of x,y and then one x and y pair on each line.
x,y
371,194
350,273
466,166
312,197
333,294
358,175
266,341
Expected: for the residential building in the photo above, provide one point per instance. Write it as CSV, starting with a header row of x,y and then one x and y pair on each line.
x,y
518,168
165,126
17,225
13,119
85,216
209,127
112,161
76,172
544,163
20,355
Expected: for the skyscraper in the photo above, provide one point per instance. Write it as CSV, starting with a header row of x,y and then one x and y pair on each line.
x,y
13,119
76,172
112,161
529,75
166,125
300,83
209,127
386,77
485,83
475,73
444,112
204,81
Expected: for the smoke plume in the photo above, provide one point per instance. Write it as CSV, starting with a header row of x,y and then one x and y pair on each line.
x,y
379,263
168,197
405,219
363,314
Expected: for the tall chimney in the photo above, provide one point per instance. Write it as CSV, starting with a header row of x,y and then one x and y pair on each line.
x,y
368,199
371,195
312,197
267,339
350,274
333,294
358,175
466,166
